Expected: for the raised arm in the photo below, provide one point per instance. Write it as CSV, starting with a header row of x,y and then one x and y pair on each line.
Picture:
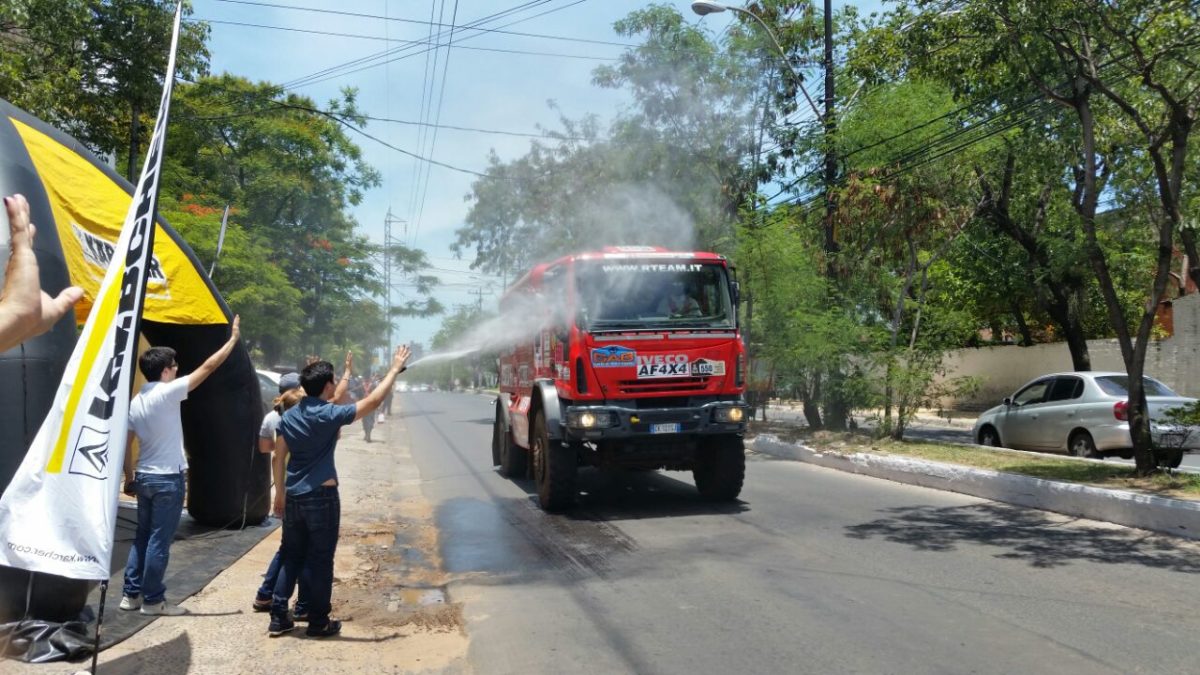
x,y
343,385
373,400
278,465
25,309
210,364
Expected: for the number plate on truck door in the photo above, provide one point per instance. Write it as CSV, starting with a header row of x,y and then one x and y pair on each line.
x,y
667,428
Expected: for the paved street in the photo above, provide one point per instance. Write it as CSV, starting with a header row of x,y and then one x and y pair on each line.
x,y
814,571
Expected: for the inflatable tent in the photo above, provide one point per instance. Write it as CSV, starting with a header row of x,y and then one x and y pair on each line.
x,y
85,201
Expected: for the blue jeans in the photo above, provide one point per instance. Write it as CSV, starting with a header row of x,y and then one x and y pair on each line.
x,y
160,503
310,532
267,590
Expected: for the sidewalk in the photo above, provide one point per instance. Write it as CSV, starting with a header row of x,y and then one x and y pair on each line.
x,y
388,589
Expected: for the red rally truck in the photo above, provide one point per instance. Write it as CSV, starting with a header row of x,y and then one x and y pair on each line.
x,y
630,357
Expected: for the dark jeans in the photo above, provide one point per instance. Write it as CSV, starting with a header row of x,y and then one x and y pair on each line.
x,y
267,590
160,503
310,533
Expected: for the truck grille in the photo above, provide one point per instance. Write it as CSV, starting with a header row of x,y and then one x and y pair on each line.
x,y
677,385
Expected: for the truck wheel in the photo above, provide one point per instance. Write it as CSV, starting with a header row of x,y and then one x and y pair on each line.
x,y
507,454
498,432
554,468
720,468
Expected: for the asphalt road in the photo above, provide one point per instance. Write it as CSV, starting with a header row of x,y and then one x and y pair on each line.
x,y
959,431
813,571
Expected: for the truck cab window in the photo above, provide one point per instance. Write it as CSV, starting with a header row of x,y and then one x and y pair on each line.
x,y
670,294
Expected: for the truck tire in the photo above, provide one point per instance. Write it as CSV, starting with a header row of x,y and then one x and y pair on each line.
x,y
1169,458
498,433
720,468
510,456
554,467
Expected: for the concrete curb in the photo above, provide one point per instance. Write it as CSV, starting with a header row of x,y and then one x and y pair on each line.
x,y
1175,517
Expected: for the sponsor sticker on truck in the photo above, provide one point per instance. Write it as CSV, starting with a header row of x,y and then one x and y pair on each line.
x,y
662,365
703,367
614,356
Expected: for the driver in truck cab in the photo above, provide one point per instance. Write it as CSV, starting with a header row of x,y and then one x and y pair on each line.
x,y
678,301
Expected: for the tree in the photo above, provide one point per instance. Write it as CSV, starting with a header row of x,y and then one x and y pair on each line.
x,y
672,171
94,67
1126,74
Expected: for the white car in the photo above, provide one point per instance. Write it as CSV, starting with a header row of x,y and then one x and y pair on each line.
x,y
1084,414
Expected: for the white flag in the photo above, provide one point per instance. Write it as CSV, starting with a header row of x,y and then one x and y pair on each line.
x,y
59,512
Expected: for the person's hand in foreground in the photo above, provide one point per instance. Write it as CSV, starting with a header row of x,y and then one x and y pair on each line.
x,y
26,310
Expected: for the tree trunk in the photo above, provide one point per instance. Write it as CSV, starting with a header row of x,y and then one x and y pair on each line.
x,y
1022,326
812,409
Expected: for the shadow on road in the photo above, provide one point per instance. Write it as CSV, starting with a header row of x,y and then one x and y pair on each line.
x,y
1026,535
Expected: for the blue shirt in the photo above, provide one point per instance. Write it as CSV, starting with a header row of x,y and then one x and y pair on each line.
x,y
310,429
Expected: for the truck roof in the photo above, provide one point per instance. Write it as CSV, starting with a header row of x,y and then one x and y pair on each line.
x,y
619,253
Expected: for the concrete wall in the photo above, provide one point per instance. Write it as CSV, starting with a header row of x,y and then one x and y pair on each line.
x,y
1175,361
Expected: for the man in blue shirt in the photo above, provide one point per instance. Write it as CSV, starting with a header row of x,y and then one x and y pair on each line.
x,y
308,432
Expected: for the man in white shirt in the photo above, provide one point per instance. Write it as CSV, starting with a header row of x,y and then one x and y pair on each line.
x,y
161,470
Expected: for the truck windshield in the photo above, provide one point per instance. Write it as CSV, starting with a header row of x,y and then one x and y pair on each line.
x,y
652,294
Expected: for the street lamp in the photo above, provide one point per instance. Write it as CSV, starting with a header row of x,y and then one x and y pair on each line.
x,y
706,7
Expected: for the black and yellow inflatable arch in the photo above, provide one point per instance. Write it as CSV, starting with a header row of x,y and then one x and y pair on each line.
x,y
85,201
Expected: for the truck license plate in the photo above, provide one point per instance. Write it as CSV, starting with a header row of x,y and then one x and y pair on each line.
x,y
669,428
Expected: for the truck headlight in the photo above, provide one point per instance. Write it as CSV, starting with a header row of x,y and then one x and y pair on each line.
x,y
589,419
731,415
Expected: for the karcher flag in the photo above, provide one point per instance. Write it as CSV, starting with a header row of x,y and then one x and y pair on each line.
x,y
59,512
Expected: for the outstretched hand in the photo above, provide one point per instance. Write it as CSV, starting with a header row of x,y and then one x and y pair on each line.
x,y
235,332
25,309
349,361
400,358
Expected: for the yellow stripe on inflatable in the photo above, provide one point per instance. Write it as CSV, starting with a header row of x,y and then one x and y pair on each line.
x,y
89,210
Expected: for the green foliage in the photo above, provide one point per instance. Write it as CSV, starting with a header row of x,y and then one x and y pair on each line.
x,y
671,171
94,67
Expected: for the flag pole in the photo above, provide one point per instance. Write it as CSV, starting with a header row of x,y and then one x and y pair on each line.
x,y
99,621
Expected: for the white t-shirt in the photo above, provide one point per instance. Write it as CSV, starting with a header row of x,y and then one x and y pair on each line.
x,y
270,425
154,417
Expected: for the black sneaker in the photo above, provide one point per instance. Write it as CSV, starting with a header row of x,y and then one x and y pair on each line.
x,y
262,604
331,628
280,626
300,615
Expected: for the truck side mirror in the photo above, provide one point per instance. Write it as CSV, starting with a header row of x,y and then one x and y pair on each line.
x,y
736,290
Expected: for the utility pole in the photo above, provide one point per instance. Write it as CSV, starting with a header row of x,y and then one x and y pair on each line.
x,y
388,241
831,168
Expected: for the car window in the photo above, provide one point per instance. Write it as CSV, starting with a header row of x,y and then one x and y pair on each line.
x,y
1118,385
1065,389
269,391
1034,393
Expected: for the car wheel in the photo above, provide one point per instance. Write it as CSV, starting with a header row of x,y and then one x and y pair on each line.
x,y
1081,445
989,437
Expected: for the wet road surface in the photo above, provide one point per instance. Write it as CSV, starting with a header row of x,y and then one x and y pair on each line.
x,y
813,571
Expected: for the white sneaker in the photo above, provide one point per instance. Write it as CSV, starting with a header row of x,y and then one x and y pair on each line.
x,y
163,609
129,604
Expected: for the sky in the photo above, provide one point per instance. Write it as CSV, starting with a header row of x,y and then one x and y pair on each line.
x,y
490,81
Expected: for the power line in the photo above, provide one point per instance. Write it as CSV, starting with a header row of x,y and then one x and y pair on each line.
x,y
522,52
500,31
315,79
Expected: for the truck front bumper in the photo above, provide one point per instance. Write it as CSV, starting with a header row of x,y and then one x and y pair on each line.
x,y
596,423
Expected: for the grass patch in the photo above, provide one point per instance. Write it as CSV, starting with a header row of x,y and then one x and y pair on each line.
x,y
1049,467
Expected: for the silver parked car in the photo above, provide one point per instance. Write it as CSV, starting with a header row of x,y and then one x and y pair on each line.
x,y
1085,414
